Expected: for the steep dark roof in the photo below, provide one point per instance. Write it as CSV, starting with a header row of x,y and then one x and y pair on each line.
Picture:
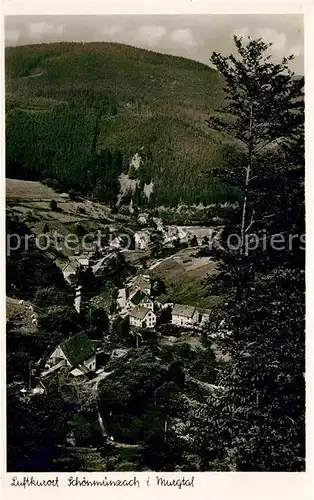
x,y
77,348
138,297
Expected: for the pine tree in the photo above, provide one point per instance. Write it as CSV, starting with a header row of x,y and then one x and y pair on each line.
x,y
256,420
264,113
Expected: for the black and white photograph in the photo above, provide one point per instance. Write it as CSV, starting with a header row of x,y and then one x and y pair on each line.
x,y
155,244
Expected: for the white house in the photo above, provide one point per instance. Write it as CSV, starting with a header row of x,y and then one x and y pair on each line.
x,y
183,315
116,242
72,352
142,317
174,233
164,303
74,263
142,218
69,270
140,299
84,260
141,240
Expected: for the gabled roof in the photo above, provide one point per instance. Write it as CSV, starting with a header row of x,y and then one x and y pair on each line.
x,y
70,265
53,369
83,260
142,281
183,310
164,299
138,297
119,353
77,348
140,312
79,371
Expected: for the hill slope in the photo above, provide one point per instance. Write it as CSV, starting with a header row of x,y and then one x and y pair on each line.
x,y
67,102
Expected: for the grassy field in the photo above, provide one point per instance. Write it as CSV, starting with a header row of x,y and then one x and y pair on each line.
x,y
30,194
31,202
24,310
183,275
30,190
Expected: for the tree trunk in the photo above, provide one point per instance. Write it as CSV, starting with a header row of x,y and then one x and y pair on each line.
x,y
244,207
240,287
247,180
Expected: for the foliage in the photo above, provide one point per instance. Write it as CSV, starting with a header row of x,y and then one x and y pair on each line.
x,y
266,102
51,296
27,267
256,420
260,413
77,114
31,444
114,271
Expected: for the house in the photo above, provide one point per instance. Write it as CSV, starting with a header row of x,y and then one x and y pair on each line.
x,y
163,302
141,282
174,233
74,263
159,224
83,260
75,351
141,240
69,270
140,299
183,315
117,242
142,218
101,376
119,353
142,317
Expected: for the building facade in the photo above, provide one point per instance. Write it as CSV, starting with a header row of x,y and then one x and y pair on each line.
x,y
72,352
142,317
183,315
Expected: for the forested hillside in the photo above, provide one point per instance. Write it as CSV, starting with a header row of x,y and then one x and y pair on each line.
x,y
78,113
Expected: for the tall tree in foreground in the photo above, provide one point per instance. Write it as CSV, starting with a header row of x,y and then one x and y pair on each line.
x,y
264,115
257,422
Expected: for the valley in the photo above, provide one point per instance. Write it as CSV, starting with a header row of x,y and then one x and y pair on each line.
x,y
153,322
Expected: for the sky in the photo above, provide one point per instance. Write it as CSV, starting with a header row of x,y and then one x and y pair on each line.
x,y
191,36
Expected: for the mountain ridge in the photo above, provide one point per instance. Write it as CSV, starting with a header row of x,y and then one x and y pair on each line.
x,y
161,103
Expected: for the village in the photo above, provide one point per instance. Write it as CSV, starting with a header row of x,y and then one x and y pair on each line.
x,y
155,245
83,360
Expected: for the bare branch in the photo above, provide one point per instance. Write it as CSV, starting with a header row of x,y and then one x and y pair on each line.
x,y
251,222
